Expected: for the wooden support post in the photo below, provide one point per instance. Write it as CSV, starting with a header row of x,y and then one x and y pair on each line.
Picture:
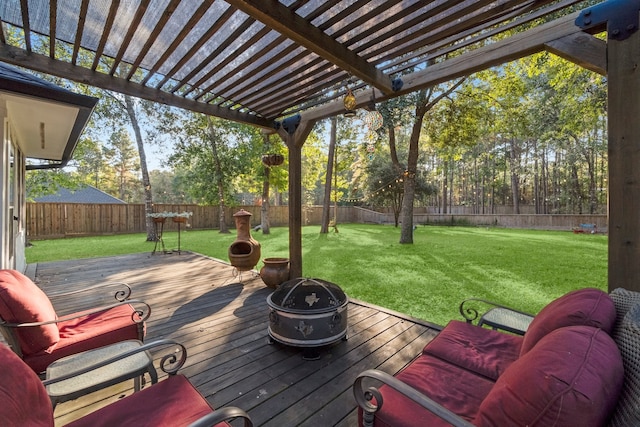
x,y
624,162
294,142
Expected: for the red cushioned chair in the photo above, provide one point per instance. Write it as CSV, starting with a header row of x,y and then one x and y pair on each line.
x,y
173,402
32,328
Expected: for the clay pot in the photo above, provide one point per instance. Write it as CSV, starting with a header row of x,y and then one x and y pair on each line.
x,y
244,252
274,271
272,159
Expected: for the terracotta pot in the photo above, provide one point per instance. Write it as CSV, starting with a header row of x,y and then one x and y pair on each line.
x,y
179,219
158,220
274,271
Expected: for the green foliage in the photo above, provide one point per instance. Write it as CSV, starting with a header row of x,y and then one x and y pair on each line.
x,y
204,151
48,181
385,185
524,269
123,158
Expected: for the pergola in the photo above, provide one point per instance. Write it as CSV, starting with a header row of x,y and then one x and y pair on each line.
x,y
284,65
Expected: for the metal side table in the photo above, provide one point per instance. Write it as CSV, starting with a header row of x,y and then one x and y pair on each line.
x,y
506,319
135,366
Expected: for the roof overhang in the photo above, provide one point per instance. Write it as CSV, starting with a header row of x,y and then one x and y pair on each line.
x,y
46,120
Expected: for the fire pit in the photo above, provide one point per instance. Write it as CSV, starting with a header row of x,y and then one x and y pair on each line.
x,y
307,313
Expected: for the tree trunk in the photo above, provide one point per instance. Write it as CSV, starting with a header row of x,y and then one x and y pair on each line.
x,y
445,185
222,220
326,202
148,199
515,188
406,213
264,207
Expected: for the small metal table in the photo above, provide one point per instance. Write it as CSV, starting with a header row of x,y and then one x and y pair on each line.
x,y
134,366
507,320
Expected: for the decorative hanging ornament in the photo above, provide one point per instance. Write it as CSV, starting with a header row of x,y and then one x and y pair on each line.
x,y
371,136
349,101
373,120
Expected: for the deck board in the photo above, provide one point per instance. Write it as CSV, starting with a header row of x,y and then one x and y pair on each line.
x,y
198,301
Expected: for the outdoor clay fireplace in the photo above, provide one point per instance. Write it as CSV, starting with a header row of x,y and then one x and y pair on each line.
x,y
244,252
307,313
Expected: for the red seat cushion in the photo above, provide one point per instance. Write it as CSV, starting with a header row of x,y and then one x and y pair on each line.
x,y
172,402
590,306
482,351
572,377
89,332
23,398
456,389
21,301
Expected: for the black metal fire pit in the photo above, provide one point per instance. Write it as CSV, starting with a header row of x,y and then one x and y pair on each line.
x,y
308,313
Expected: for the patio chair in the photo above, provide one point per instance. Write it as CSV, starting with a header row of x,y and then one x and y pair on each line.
x,y
34,331
173,401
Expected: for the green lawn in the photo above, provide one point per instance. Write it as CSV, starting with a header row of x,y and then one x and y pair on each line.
x,y
524,269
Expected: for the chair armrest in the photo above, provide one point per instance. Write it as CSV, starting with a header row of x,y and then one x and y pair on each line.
x,y
169,363
364,398
139,315
497,316
227,413
122,293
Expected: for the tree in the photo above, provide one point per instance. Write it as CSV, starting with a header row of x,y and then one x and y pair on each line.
x,y
324,226
214,155
272,151
123,157
424,100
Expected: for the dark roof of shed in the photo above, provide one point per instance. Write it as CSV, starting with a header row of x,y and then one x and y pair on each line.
x,y
87,194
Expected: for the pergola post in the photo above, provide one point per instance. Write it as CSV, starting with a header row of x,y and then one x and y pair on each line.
x,y
295,137
624,162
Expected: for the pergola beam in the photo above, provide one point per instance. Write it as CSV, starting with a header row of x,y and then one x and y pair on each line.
x,y
288,23
294,141
518,46
583,49
623,156
66,70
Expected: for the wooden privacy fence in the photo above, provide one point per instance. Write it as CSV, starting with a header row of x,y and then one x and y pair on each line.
x,y
55,220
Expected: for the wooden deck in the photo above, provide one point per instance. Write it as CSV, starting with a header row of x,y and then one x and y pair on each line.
x,y
197,301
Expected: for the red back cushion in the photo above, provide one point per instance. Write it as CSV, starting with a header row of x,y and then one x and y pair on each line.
x,y
21,301
24,398
572,377
590,306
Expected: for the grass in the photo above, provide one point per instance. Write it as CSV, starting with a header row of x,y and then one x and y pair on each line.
x,y
524,269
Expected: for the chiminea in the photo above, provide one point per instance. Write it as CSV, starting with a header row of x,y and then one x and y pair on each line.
x,y
244,252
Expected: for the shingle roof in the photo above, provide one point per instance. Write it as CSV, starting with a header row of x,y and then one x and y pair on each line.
x,y
86,194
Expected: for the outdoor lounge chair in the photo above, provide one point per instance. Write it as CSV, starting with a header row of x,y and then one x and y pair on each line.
x,y
31,327
576,364
171,402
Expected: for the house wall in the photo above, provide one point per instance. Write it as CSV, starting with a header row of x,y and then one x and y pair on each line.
x,y
12,198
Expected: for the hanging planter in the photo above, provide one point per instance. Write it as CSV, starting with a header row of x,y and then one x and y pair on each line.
x,y
272,159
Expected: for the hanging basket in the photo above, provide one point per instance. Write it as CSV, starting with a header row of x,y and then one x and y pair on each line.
x,y
272,159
